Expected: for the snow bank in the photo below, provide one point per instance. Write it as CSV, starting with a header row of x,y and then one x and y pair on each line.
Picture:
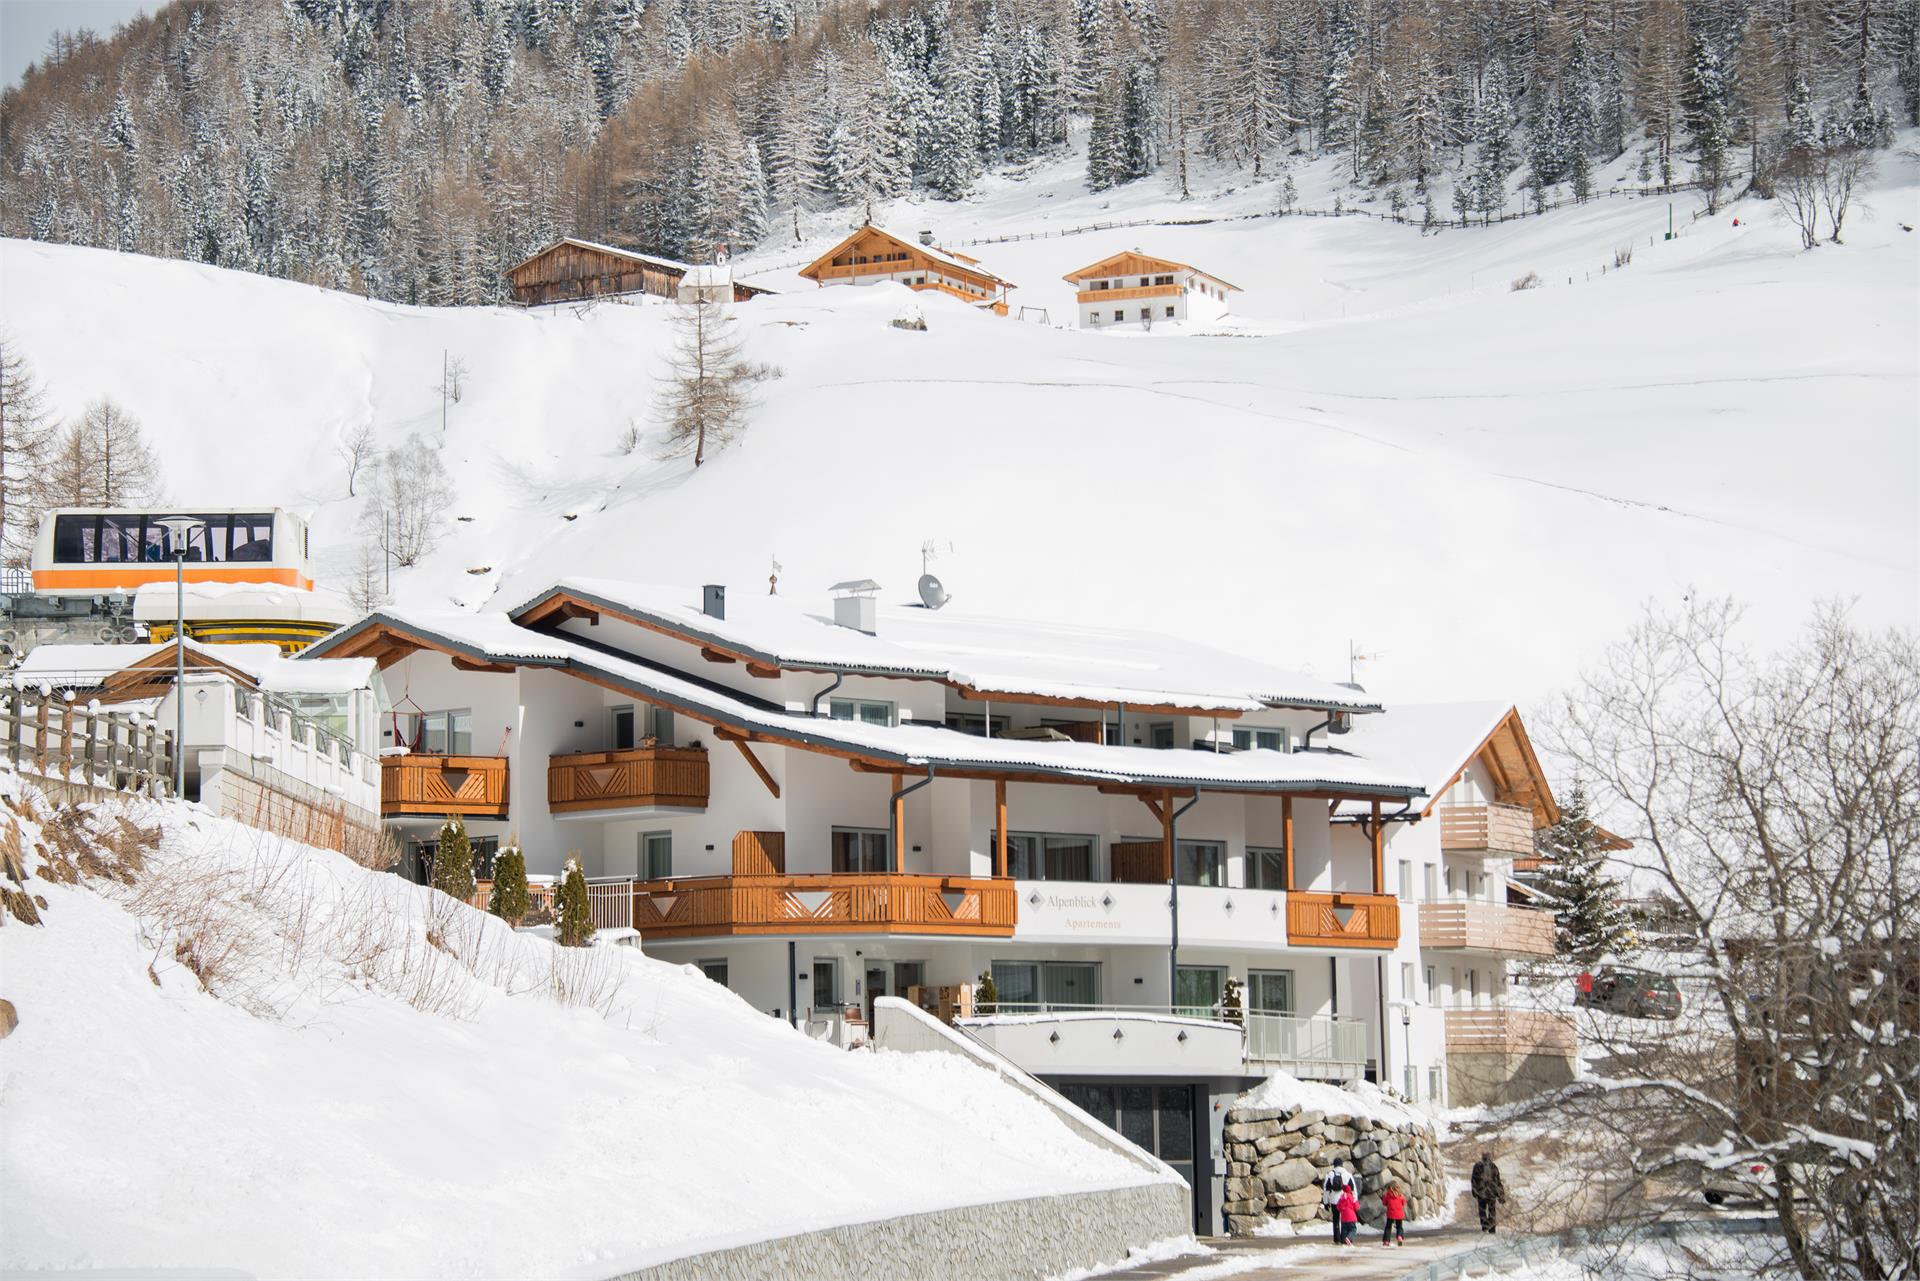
x,y
1286,1092
467,1100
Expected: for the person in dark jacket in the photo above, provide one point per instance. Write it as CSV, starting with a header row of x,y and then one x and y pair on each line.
x,y
1337,1181
1488,1190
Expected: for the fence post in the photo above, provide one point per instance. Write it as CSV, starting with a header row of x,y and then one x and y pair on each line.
x,y
40,735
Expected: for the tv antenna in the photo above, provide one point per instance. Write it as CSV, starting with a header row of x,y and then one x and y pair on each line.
x,y
1355,657
933,594
773,576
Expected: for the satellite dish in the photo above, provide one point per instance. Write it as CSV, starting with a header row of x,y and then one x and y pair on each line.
x,y
932,594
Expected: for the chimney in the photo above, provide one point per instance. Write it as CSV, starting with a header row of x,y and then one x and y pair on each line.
x,y
854,605
926,236
713,601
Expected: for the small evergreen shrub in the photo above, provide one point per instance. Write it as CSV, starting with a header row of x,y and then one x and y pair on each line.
x,y
572,913
510,900
453,862
986,997
1230,1002
1529,281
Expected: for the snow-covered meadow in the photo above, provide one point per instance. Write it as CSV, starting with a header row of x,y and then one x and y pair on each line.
x,y
246,1053
1475,485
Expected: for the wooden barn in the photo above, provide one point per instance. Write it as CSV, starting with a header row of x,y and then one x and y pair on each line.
x,y
569,270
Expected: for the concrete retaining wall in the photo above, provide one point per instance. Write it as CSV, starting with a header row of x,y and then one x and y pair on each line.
x,y
1020,1240
999,1241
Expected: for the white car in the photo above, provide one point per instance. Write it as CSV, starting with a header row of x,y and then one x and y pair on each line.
x,y
1752,1182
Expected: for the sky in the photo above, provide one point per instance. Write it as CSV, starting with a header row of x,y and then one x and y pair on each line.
x,y
26,24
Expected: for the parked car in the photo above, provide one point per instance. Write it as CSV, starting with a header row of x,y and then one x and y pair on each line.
x,y
1640,994
1752,1182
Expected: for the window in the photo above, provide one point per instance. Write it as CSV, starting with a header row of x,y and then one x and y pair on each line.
x,y
860,850
867,711
622,733
1266,869
1406,982
1260,740
1169,311
447,733
1433,986
826,983
1433,1085
1158,1118
1146,313
1270,991
1093,318
1143,282
1161,735
715,970
1406,881
484,848
1202,862
1047,856
1038,985
1411,1092
1119,313
968,723
908,975
1432,877
656,855
1473,985
660,726
1197,989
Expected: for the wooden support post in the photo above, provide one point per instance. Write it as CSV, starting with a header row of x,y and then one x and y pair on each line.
x,y
1166,835
1000,827
899,825
754,761
40,736
1286,840
1379,854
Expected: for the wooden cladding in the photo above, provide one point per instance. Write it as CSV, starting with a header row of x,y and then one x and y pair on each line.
x,y
568,271
1510,1032
1487,829
1127,295
1475,926
824,903
1342,920
759,853
639,778
1139,862
418,783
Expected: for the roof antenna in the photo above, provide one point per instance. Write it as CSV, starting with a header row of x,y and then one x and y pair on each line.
x,y
932,594
773,578
1355,658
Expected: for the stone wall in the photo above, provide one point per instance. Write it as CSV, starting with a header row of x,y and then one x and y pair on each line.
x,y
1025,1240
1278,1157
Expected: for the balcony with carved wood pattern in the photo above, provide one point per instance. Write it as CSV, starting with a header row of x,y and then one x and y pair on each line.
x,y
639,778
432,786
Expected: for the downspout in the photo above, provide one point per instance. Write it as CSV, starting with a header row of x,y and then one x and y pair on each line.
x,y
893,811
813,707
793,983
1173,901
1306,744
1380,978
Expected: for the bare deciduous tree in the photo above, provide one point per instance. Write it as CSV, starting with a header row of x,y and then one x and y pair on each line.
x,y
709,387
360,450
1814,180
25,437
409,497
1775,803
101,460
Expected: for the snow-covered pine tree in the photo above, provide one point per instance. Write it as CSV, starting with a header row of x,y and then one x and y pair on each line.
x,y
1493,145
1590,920
510,900
1707,106
572,910
453,860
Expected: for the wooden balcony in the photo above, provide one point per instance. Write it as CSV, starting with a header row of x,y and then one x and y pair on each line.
x,y
1127,295
1472,925
1342,920
1501,830
638,778
438,786
824,903
1510,1032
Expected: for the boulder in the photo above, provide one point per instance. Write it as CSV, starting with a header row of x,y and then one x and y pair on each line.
x,y
1272,1143
1302,1213
1365,1148
1302,1119
1308,1195
1291,1175
1249,1131
1308,1146
1242,1225
1341,1134
9,1019
1371,1163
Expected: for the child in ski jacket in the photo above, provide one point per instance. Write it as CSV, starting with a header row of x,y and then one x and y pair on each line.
x,y
1348,1209
1337,1181
1394,1202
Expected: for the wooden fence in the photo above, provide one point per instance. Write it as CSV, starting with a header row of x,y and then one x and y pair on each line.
x,y
77,744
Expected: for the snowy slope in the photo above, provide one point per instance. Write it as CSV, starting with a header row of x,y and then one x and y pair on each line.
x,y
1480,486
385,1085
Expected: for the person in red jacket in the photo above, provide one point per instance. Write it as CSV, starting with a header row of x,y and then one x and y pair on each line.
x,y
1394,1202
1349,1211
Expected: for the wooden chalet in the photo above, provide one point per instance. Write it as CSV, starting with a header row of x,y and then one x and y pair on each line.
x,y
570,270
1163,274
871,255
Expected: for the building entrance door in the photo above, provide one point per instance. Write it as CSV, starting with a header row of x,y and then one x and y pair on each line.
x,y
1163,1120
876,985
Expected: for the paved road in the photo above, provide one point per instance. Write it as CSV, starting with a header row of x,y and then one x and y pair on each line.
x,y
1311,1258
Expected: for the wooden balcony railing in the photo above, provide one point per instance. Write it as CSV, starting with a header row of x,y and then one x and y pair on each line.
x,y
1487,829
1510,1032
471,786
639,778
824,903
1478,926
1124,295
1138,862
1342,920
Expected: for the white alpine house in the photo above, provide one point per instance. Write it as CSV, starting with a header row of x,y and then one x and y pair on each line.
x,y
1139,290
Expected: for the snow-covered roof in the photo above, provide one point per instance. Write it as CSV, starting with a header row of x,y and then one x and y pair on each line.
x,y
908,747
155,602
652,260
989,656
1092,269
945,257
1434,742
81,666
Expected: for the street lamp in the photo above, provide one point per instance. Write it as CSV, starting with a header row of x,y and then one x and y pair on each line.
x,y
1406,1041
179,530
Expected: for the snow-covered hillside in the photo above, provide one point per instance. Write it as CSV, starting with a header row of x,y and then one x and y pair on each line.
x,y
1391,447
236,1052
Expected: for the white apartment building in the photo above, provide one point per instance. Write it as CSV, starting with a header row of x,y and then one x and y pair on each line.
x,y
819,808
1136,290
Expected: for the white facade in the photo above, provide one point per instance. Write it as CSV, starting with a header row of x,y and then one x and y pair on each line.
x,y
1136,292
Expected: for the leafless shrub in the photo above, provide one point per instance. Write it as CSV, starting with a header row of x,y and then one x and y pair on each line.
x,y
375,848
1529,281
1622,256
1815,180
360,450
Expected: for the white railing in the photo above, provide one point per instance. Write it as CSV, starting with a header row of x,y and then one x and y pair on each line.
x,y
611,903
1310,1042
